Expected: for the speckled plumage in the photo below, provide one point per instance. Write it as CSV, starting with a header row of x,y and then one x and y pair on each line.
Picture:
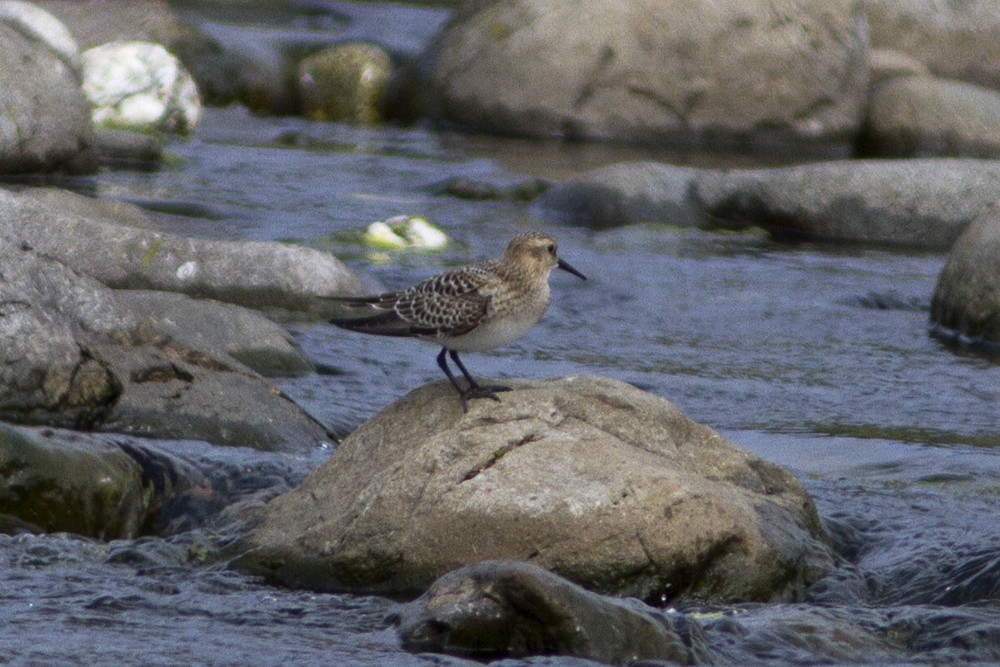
x,y
481,306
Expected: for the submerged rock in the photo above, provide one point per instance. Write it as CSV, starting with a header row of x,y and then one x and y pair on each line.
x,y
93,485
690,72
593,479
967,295
506,608
44,115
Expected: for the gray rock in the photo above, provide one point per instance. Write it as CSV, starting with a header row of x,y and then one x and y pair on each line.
x,y
652,71
88,484
956,39
624,194
223,329
84,235
507,608
593,479
71,356
921,116
44,115
910,203
967,295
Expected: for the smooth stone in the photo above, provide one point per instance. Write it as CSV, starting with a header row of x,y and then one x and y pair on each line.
x,y
139,86
623,194
904,203
35,22
694,73
75,358
510,609
123,253
345,83
44,115
926,117
205,324
967,295
957,40
597,481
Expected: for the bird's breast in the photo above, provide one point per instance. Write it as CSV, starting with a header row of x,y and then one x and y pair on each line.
x,y
510,319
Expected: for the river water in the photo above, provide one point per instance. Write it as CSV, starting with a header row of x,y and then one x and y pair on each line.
x,y
816,357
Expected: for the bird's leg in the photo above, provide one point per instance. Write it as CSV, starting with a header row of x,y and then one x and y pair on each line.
x,y
476,390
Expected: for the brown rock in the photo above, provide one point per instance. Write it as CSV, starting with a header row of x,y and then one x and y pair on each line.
x,y
591,478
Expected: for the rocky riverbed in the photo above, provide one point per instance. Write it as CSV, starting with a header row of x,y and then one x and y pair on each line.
x,y
763,432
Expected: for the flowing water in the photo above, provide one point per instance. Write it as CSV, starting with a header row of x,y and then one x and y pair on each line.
x,y
816,357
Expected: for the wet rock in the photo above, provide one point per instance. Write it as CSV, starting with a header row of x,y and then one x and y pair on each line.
x,y
922,116
345,83
507,608
44,115
911,203
139,86
92,485
73,357
125,149
693,73
223,329
624,194
957,40
88,237
593,479
967,295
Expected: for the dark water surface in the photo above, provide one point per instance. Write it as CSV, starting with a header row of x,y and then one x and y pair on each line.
x,y
818,358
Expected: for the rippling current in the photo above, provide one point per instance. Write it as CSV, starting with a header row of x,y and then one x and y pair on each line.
x,y
816,357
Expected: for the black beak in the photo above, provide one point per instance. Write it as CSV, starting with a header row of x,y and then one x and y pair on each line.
x,y
564,265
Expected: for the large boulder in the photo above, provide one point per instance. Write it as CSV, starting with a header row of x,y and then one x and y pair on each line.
x,y
72,356
117,245
923,116
44,115
909,203
967,296
593,479
956,39
652,71
506,608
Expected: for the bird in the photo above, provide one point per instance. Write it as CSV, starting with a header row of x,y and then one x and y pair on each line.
x,y
477,307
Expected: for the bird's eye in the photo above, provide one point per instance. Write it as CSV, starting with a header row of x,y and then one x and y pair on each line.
x,y
551,248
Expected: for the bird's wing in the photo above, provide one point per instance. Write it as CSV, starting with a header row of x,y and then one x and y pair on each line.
x,y
449,304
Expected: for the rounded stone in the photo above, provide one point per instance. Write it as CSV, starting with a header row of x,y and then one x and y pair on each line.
x,y
345,83
590,478
650,71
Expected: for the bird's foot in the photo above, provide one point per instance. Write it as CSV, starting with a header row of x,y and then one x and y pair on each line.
x,y
481,391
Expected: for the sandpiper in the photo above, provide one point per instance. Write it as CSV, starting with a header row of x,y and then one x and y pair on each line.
x,y
477,307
